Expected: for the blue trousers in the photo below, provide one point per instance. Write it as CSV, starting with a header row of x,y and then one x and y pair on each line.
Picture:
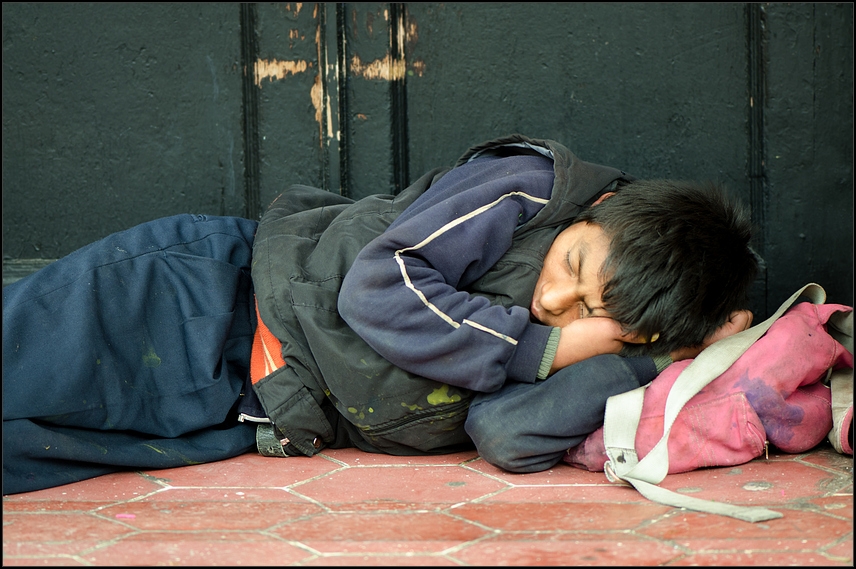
x,y
129,353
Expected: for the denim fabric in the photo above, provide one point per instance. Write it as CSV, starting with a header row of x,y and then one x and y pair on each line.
x,y
129,353
526,427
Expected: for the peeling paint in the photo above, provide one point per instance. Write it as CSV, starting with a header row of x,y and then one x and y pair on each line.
x,y
418,67
293,36
390,67
412,32
386,69
330,119
276,69
401,33
316,93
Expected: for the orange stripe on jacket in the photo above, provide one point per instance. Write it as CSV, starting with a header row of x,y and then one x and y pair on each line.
x,y
266,356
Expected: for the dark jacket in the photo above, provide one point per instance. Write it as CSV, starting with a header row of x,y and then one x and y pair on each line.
x,y
336,390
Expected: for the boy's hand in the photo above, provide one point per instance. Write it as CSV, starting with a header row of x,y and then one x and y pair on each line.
x,y
589,337
586,338
738,321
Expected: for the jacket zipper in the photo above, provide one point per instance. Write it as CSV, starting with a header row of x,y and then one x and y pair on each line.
x,y
443,413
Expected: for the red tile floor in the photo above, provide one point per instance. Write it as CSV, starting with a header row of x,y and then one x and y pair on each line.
x,y
346,507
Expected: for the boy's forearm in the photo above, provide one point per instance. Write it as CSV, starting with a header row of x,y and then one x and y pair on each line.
x,y
584,339
529,427
577,347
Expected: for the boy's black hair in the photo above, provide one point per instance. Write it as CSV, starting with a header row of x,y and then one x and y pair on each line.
x,y
679,262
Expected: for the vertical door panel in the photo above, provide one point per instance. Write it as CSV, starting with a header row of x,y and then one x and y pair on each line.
x,y
288,75
809,126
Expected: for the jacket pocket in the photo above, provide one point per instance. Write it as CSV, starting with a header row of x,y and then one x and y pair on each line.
x,y
294,411
392,410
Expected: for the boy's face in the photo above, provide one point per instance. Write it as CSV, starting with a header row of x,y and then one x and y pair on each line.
x,y
570,285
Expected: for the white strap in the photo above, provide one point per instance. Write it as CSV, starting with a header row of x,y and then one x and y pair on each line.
x,y
624,411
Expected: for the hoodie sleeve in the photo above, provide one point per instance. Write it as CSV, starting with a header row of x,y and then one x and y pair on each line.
x,y
404,294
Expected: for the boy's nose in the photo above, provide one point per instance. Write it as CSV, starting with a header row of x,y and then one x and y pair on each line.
x,y
557,300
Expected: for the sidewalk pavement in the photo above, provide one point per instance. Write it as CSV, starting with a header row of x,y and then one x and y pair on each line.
x,y
346,507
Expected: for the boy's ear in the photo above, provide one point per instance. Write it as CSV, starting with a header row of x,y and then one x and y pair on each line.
x,y
636,338
603,197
